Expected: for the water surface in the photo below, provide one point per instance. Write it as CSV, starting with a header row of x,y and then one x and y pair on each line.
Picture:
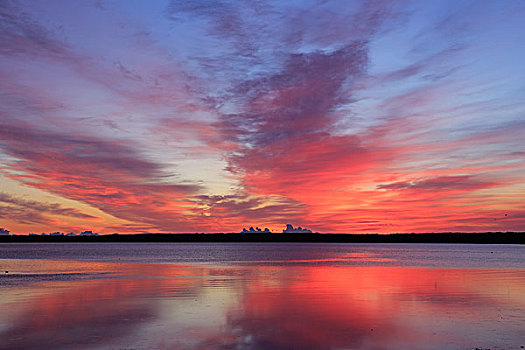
x,y
261,296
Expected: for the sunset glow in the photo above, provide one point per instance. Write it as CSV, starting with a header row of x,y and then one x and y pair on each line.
x,y
210,116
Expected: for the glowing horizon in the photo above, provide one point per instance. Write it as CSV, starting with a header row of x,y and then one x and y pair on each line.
x,y
211,116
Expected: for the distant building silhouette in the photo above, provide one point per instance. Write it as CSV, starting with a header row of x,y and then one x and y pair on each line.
x,y
290,229
4,232
88,233
255,230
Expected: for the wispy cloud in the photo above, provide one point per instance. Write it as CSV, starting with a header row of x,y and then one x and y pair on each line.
x,y
448,183
39,207
110,176
30,212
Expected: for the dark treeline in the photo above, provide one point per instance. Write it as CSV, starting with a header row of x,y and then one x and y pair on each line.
x,y
442,237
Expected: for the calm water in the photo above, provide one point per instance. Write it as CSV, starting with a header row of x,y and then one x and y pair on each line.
x,y
261,296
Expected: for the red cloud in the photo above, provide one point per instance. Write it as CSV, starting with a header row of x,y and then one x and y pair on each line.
x,y
108,175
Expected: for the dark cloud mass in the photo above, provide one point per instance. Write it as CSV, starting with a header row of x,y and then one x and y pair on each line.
x,y
298,101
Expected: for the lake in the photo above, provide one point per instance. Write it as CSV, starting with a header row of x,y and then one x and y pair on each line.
x,y
261,296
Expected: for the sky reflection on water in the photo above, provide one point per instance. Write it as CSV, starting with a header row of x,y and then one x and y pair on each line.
x,y
259,306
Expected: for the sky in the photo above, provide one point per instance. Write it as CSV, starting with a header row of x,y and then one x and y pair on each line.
x,y
210,116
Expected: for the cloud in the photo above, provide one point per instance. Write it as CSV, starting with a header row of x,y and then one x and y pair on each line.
x,y
254,25
442,183
287,136
286,125
297,101
233,210
240,26
113,177
23,216
289,116
39,207
290,104
108,175
21,35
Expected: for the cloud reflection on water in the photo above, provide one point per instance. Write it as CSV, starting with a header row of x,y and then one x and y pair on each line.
x,y
268,307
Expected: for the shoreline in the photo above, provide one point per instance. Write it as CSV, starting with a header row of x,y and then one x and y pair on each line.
x,y
442,237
